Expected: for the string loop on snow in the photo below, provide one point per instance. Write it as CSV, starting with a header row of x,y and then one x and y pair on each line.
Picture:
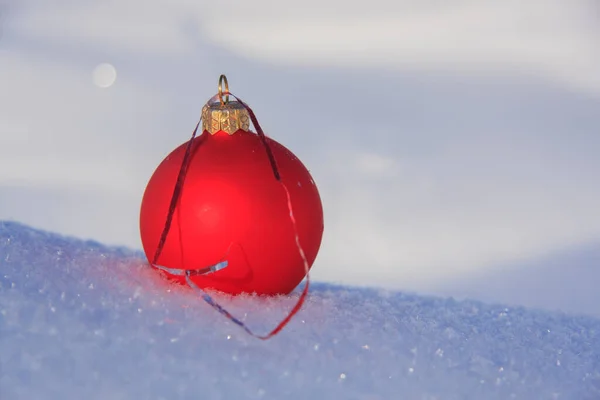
x,y
192,272
188,273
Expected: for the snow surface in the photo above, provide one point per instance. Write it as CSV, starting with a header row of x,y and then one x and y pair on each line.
x,y
79,320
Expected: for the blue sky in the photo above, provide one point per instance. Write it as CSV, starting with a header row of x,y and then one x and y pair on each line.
x,y
446,138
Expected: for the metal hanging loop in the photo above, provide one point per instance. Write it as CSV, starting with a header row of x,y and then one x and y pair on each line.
x,y
223,79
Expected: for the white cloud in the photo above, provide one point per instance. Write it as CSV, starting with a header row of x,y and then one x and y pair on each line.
x,y
430,223
73,157
57,127
139,26
555,39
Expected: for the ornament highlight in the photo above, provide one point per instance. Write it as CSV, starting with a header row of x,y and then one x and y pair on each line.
x,y
232,210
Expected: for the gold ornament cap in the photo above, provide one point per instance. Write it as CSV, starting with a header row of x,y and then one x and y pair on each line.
x,y
224,115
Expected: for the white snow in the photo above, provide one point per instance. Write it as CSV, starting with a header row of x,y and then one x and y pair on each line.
x,y
79,320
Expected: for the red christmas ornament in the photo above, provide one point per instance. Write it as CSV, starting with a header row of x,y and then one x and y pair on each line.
x,y
230,226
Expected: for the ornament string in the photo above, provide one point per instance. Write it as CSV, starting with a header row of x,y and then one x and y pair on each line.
x,y
175,197
263,138
223,264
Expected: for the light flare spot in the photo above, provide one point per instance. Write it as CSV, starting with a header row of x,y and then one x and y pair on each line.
x,y
104,75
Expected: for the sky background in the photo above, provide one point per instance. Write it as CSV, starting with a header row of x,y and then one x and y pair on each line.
x,y
455,143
